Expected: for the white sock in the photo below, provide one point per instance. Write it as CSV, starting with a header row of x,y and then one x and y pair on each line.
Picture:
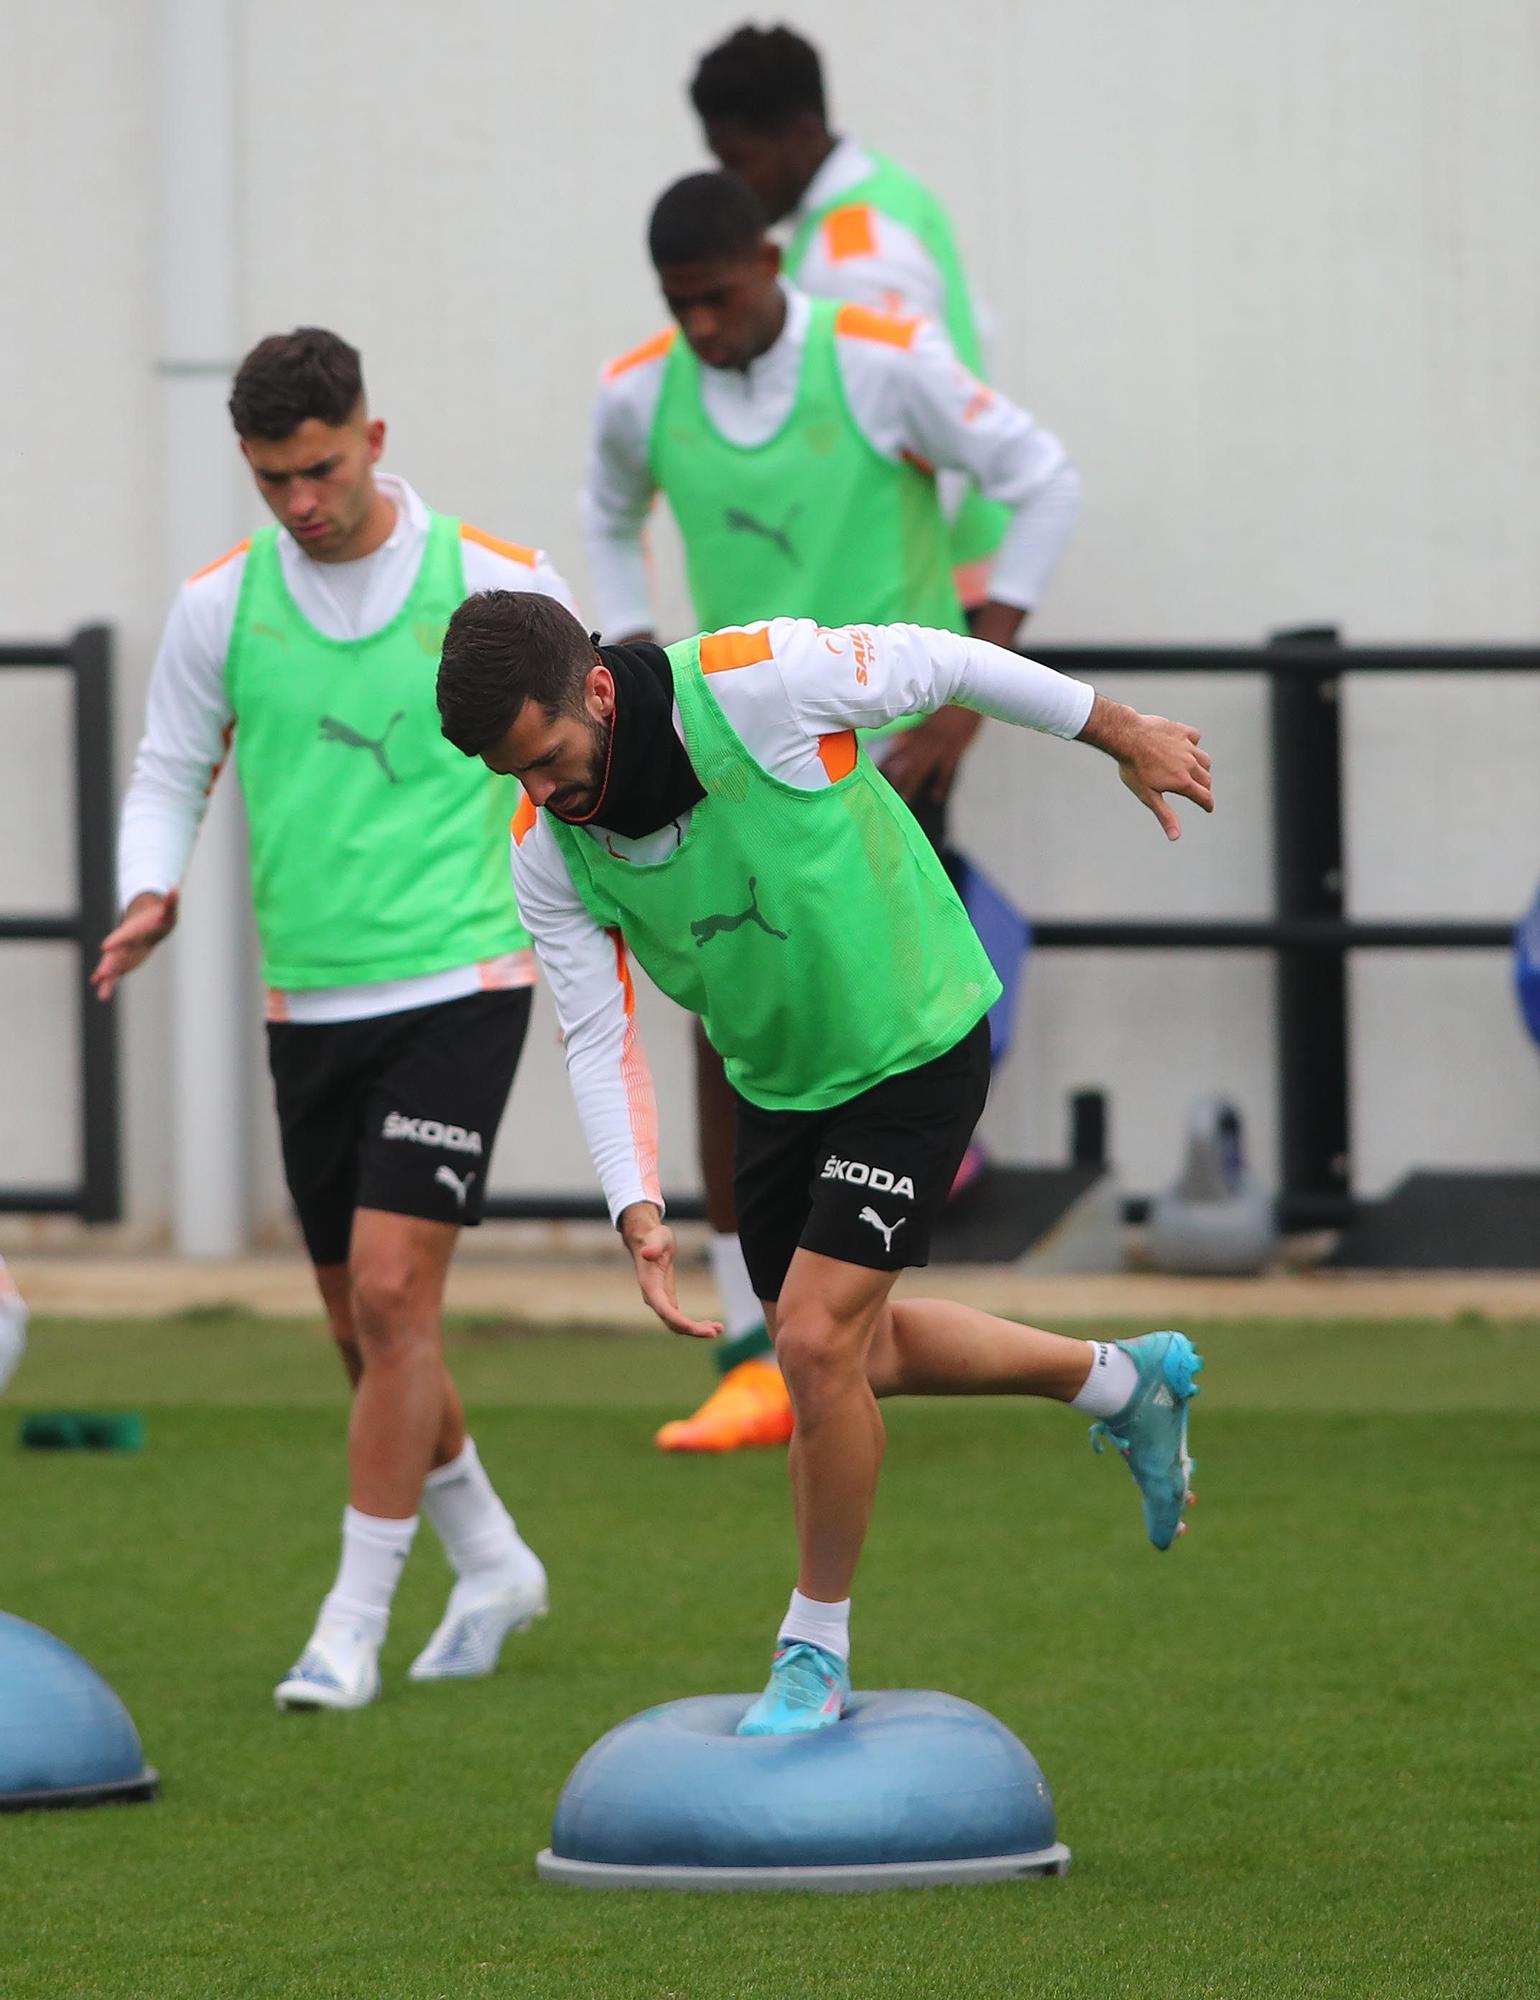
x,y
1112,1380
475,1527
826,1625
741,1309
374,1552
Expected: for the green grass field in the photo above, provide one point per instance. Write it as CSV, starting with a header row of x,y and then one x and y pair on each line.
x,y
1296,1756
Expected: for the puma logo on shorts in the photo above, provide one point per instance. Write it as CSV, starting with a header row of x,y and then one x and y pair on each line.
x,y
888,1229
447,1177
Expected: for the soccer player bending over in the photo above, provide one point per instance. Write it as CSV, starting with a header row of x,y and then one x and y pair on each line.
x,y
707,808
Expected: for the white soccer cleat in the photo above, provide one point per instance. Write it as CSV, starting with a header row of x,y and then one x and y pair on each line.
x,y
479,1616
338,1669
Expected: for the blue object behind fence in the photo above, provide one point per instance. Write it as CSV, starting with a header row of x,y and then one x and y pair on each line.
x,y
65,1738
1006,936
909,1786
1526,966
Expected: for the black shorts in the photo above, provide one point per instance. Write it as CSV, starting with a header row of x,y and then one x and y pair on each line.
x,y
398,1112
865,1180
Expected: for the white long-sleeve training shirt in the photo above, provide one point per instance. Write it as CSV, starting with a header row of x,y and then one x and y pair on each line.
x,y
188,721
890,269
910,401
886,266
794,713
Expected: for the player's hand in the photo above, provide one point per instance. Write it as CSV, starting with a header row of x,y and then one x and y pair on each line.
x,y
651,1243
923,761
1165,758
1154,757
147,920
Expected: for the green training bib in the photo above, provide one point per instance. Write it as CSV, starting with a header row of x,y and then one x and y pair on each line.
x,y
815,933
811,524
377,850
980,524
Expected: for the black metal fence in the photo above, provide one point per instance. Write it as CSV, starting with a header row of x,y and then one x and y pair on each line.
x,y
87,658
1307,930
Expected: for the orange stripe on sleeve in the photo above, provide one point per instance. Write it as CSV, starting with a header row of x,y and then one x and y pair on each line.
x,y
523,819
837,753
623,973
861,323
641,1103
850,232
227,737
510,969
514,551
219,562
721,651
650,350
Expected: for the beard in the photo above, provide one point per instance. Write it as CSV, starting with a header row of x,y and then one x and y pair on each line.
x,y
580,802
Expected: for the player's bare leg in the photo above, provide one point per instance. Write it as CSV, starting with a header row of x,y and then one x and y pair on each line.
x,y
1137,1389
843,1344
334,1283
407,1444
397,1265
824,1322
934,1347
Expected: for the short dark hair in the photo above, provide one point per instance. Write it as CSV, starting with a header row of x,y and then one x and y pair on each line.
x,y
290,377
503,648
703,217
763,77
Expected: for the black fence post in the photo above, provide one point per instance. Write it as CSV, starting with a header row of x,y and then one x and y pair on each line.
x,y
101,1171
1308,884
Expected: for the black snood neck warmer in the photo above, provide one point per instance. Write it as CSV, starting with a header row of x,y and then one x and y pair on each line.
x,y
649,779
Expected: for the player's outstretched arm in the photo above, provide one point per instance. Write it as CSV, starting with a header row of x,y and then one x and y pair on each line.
x,y
651,1243
147,920
1153,757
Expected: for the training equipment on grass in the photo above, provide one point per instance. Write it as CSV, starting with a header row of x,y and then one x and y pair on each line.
x,y
65,1738
909,1788
83,1430
1215,1220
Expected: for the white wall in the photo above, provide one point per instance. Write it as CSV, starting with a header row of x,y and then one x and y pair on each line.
x,y
1268,270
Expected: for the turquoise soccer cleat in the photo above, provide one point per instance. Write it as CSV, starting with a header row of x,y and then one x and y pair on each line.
x,y
1151,1429
808,1689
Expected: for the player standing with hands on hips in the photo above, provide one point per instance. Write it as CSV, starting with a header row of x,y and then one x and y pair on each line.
x,y
397,968
770,881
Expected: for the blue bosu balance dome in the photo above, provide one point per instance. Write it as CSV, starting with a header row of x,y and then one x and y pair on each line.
x,y
65,1738
908,1788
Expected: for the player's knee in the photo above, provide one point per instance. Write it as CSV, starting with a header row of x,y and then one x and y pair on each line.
x,y
386,1303
819,1357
